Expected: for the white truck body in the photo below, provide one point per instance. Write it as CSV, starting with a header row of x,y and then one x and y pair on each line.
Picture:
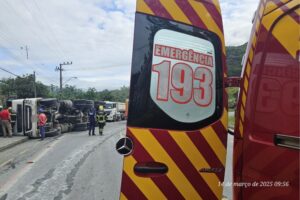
x,y
114,110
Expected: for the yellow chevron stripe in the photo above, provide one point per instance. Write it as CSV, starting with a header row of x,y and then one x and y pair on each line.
x,y
224,118
153,147
272,6
217,5
175,11
146,185
297,11
141,6
242,114
207,20
241,128
246,83
257,24
215,143
286,34
254,39
244,99
198,161
248,69
250,56
123,197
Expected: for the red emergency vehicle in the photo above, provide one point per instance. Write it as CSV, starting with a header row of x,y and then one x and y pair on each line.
x,y
177,121
175,145
266,136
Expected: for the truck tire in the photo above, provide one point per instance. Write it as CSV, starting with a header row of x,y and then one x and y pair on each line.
x,y
52,132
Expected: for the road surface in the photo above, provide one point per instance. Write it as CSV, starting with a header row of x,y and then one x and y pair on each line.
x,y
73,166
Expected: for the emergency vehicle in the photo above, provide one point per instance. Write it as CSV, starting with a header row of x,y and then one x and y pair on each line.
x,y
266,135
175,144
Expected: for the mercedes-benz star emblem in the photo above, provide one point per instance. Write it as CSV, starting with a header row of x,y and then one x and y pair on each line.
x,y
124,146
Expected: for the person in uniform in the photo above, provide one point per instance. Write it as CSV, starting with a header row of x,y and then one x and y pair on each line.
x,y
92,121
101,119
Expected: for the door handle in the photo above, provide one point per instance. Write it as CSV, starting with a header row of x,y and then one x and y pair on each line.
x,y
287,141
150,169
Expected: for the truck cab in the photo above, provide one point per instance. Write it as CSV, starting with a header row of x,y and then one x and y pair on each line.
x,y
27,116
110,109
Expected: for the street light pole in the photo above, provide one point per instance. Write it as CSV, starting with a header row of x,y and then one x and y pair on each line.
x,y
73,77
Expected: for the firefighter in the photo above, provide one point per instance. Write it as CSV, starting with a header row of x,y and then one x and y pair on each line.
x,y
42,123
92,120
101,119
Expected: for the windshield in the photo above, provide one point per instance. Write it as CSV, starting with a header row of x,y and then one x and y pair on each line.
x,y
108,106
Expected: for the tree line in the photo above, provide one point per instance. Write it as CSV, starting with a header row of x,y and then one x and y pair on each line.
x,y
23,87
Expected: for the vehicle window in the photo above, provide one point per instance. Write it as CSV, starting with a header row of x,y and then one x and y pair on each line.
x,y
179,78
183,76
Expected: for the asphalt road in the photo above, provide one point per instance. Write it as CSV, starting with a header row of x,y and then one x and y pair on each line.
x,y
73,166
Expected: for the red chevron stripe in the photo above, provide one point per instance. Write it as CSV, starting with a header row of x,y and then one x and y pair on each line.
x,y
158,9
130,189
163,182
191,13
214,13
184,164
221,132
295,16
206,150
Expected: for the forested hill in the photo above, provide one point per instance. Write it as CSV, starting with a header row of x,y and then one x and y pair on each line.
x,y
234,58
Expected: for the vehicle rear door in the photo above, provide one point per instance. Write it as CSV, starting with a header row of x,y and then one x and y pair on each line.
x,y
175,145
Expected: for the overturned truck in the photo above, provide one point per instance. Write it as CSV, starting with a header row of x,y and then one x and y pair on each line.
x,y
73,115
26,116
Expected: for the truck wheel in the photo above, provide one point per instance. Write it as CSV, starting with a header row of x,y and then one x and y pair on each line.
x,y
52,132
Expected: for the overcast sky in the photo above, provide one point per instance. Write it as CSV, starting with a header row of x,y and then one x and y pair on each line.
x,y
96,35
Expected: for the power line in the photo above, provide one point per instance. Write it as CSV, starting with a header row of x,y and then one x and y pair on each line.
x,y
41,25
33,32
9,72
49,27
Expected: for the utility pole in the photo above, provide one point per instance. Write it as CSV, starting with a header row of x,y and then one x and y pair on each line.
x,y
34,76
60,69
34,84
26,49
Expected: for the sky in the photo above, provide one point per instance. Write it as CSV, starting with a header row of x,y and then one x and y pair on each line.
x,y
95,35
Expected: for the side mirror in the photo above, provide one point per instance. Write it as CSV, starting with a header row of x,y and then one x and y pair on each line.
x,y
230,131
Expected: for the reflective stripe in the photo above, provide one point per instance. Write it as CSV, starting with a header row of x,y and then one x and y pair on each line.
x,y
141,6
213,140
146,185
175,11
153,147
198,161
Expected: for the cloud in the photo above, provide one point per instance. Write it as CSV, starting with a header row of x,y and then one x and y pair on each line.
x,y
237,20
96,35
91,34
